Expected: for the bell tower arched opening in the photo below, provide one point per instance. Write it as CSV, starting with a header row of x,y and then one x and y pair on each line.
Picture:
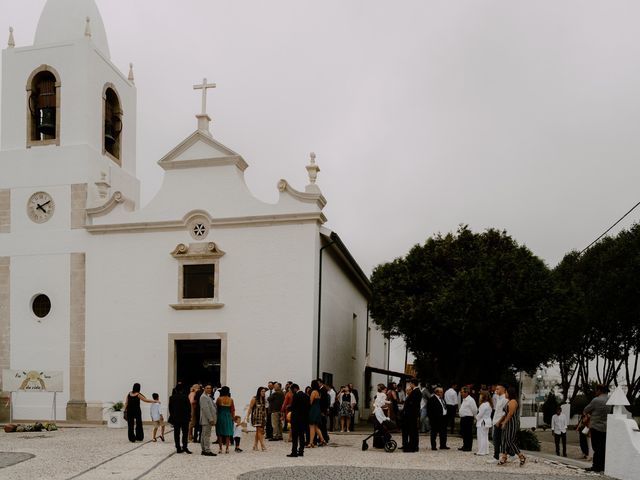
x,y
43,112
112,125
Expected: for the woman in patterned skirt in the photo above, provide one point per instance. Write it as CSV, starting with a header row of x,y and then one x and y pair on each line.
x,y
510,425
258,412
226,412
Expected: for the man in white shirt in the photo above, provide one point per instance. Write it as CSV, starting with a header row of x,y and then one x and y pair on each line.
x,y
498,404
559,429
468,411
332,403
451,399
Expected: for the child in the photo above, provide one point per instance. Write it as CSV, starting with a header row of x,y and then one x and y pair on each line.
x,y
237,432
157,418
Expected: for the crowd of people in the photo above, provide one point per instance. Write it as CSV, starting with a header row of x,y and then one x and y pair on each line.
x,y
308,417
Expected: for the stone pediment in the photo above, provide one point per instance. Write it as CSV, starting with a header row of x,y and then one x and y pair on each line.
x,y
201,150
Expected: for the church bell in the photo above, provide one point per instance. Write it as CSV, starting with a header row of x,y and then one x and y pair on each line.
x,y
43,107
112,125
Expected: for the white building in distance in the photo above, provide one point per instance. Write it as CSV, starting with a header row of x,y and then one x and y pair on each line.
x,y
205,283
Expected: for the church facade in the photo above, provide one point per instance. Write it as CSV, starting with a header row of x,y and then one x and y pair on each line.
x,y
204,283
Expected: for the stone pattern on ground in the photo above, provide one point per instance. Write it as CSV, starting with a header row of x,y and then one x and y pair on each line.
x,y
369,473
103,453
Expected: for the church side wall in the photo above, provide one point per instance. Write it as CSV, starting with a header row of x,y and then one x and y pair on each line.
x,y
266,283
343,325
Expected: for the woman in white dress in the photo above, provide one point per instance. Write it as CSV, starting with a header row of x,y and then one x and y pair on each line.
x,y
380,404
483,423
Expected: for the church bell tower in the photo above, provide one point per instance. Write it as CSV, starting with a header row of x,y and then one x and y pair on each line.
x,y
68,113
67,144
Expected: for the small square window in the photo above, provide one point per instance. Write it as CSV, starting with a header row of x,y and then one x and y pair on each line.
x,y
199,281
198,271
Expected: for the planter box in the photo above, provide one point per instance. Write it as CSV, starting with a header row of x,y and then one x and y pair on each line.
x,y
116,420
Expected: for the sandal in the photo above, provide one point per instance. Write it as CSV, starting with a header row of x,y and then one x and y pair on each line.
x,y
153,440
503,459
522,458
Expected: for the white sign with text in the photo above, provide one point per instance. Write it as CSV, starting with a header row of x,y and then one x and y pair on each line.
x,y
31,381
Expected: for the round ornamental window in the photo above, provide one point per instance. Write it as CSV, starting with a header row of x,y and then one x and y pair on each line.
x,y
41,305
199,230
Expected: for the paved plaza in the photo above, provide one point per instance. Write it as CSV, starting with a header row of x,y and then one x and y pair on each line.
x,y
101,453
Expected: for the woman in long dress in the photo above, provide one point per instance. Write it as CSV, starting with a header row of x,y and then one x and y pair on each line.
x,y
315,416
258,412
510,425
226,412
483,423
381,404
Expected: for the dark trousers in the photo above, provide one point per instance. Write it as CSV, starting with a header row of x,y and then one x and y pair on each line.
x,y
439,428
134,426
497,440
298,433
323,428
184,429
557,438
410,436
269,429
236,440
466,430
584,444
599,445
451,416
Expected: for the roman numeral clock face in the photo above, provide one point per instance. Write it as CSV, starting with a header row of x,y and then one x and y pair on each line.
x,y
40,207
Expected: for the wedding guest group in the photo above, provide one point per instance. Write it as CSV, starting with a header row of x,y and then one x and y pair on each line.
x,y
307,417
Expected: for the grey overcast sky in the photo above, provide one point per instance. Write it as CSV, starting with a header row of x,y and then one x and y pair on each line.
x,y
424,114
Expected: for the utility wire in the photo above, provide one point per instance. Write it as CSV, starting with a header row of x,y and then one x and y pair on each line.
x,y
608,229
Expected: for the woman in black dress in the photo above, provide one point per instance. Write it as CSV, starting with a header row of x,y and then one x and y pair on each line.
x,y
134,413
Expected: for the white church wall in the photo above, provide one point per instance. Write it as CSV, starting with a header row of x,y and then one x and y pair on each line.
x,y
40,344
265,282
343,337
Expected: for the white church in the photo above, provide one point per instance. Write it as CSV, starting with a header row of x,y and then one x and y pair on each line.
x,y
204,283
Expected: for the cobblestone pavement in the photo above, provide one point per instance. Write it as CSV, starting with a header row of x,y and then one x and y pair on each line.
x,y
101,453
365,473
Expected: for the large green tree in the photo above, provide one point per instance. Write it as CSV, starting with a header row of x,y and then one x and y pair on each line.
x,y
472,307
609,277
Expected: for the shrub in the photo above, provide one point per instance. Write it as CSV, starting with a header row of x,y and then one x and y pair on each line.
x,y
117,407
578,404
527,440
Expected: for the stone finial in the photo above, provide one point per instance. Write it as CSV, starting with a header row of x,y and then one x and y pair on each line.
x,y
11,43
618,399
131,77
312,169
87,28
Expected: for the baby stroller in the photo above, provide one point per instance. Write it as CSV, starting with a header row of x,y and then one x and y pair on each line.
x,y
381,436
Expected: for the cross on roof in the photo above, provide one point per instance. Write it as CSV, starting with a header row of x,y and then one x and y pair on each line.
x,y
204,87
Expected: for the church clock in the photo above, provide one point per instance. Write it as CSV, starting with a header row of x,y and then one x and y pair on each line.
x,y
40,207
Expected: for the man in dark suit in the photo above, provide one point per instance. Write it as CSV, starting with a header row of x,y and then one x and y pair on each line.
x,y
437,413
179,417
299,421
325,404
411,417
